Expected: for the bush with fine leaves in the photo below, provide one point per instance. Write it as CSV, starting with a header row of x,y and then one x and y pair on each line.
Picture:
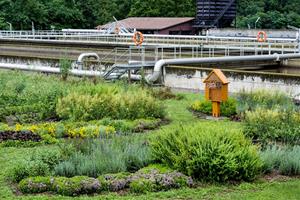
x,y
208,152
268,126
85,107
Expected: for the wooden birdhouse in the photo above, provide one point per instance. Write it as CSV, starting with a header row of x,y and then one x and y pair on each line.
x,y
216,90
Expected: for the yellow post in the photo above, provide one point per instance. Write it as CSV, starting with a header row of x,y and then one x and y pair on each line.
x,y
216,109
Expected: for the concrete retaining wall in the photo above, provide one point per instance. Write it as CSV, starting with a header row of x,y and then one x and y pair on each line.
x,y
192,79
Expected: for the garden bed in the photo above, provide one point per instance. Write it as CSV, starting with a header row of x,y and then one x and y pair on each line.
x,y
96,145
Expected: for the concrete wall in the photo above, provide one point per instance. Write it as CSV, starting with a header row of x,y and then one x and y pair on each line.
x,y
192,79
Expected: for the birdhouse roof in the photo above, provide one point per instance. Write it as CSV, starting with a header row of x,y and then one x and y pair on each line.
x,y
219,74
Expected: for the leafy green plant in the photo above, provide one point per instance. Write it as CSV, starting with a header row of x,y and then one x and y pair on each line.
x,y
228,108
210,153
40,163
267,126
65,66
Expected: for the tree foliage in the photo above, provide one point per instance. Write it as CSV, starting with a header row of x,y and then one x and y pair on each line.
x,y
47,14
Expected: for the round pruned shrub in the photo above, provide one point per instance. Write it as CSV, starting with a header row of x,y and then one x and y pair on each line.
x,y
228,108
208,152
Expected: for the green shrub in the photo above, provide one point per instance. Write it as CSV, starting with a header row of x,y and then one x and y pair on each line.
x,y
228,108
29,168
286,160
210,153
94,158
40,163
49,157
267,99
19,172
26,98
85,107
65,66
36,185
267,126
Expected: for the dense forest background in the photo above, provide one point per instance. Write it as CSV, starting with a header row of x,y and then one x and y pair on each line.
x,y
58,14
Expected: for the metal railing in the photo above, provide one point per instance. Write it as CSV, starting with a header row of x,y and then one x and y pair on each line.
x,y
272,45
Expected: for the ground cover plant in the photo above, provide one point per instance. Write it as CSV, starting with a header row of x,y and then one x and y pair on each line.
x,y
149,179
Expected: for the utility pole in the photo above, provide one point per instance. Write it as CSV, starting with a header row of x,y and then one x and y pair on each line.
x,y
297,35
32,27
10,26
256,22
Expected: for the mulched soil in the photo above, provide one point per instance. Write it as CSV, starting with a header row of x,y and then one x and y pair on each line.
x,y
19,135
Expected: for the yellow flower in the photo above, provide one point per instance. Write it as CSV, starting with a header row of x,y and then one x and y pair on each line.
x,y
18,127
82,132
109,130
51,130
33,128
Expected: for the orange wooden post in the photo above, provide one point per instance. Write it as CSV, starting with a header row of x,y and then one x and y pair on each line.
x,y
216,109
216,90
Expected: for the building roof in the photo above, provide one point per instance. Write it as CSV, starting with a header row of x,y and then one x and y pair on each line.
x,y
219,74
151,23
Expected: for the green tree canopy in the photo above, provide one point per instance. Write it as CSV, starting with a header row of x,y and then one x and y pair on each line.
x,y
90,13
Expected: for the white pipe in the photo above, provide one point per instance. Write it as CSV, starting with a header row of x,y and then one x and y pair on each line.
x,y
83,55
74,72
79,62
159,64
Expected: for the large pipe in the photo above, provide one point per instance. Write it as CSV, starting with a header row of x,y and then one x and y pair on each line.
x,y
79,62
186,61
53,70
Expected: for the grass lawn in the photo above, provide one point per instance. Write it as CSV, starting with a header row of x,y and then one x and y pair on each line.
x,y
177,112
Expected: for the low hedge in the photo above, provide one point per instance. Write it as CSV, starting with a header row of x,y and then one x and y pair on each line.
x,y
208,152
85,107
228,108
140,182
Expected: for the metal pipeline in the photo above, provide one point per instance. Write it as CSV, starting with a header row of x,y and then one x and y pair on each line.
x,y
53,70
186,61
79,62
